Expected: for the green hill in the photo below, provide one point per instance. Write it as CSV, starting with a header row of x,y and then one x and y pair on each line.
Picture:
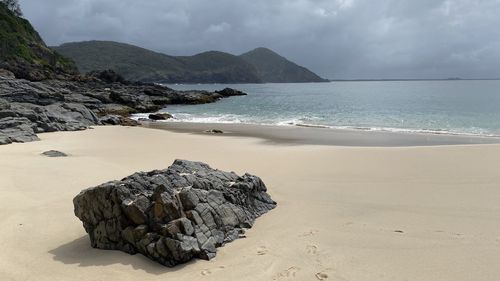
x,y
23,51
140,64
272,67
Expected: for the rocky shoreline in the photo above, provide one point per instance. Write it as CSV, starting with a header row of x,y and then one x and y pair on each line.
x,y
101,98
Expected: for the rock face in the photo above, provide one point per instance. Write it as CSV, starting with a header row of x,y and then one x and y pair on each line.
x,y
28,108
173,215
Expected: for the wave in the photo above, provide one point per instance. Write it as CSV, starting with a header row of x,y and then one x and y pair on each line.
x,y
189,118
313,122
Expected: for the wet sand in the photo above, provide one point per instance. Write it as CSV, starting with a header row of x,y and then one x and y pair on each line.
x,y
324,136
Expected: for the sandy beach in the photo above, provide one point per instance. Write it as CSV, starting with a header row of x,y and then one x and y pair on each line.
x,y
344,213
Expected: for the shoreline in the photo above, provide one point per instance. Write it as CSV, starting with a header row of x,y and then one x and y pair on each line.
x,y
308,135
346,213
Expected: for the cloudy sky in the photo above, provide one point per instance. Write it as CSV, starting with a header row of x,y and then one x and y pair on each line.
x,y
342,39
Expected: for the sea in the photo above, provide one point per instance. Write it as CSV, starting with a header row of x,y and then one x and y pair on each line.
x,y
457,107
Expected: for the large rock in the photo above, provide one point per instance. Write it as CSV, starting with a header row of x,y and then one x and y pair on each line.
x,y
173,215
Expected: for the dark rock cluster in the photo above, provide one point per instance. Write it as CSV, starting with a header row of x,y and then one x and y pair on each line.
x,y
28,108
173,215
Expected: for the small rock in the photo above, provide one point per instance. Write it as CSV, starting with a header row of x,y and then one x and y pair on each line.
x,y
228,92
214,131
160,116
54,153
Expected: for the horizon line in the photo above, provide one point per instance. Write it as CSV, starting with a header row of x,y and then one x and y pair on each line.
x,y
412,79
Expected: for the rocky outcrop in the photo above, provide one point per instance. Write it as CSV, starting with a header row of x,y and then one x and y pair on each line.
x,y
42,91
20,122
173,215
28,108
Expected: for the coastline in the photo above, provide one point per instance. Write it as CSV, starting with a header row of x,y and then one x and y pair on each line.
x,y
345,213
305,135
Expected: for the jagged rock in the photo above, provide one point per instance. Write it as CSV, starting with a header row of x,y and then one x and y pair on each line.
x,y
53,117
118,120
64,105
173,215
16,129
54,153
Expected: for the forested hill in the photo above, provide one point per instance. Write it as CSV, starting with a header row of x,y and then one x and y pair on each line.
x,y
135,63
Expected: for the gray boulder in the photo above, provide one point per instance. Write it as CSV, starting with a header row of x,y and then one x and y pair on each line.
x,y
54,153
160,116
172,216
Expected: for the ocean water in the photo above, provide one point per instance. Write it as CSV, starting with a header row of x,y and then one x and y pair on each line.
x,y
445,107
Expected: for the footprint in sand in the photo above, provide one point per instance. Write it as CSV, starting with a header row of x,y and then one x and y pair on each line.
x,y
312,249
321,276
262,250
210,271
287,274
309,233
329,272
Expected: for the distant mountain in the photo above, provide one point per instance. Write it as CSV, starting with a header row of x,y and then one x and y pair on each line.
x,y
23,52
272,67
140,64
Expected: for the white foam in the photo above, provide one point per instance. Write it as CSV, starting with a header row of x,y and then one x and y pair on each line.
x,y
309,122
189,118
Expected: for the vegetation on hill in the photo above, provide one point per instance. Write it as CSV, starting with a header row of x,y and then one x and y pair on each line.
x,y
272,67
23,51
140,64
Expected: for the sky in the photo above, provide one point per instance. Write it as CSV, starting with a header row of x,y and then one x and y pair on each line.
x,y
338,39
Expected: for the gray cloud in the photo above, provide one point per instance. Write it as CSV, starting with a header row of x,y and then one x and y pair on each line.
x,y
335,38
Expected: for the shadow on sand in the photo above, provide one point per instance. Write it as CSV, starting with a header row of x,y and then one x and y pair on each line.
x,y
80,252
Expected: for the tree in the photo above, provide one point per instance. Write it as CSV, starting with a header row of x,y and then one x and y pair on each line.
x,y
14,6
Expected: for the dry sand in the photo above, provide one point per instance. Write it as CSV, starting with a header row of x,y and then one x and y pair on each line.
x,y
345,213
